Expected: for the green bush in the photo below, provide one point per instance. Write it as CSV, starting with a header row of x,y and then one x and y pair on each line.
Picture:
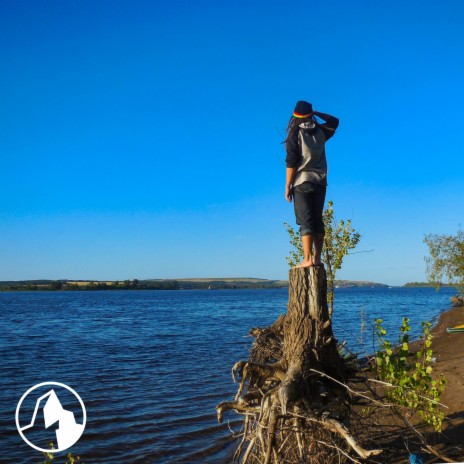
x,y
338,240
410,374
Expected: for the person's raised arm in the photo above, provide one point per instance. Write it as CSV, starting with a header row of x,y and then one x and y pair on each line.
x,y
330,125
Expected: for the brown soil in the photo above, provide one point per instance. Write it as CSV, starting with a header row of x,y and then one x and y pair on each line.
x,y
449,351
396,439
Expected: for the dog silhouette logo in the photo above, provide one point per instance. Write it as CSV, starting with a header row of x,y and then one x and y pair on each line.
x,y
40,408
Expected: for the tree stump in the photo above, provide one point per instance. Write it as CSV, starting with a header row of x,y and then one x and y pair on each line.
x,y
308,338
288,391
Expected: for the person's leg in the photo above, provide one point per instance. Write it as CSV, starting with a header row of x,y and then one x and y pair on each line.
x,y
318,244
303,212
307,242
318,208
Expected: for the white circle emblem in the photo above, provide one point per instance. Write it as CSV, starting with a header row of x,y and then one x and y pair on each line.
x,y
68,431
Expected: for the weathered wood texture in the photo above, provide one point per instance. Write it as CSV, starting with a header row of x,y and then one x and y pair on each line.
x,y
291,389
308,338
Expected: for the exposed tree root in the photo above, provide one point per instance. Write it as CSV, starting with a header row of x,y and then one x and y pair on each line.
x,y
295,392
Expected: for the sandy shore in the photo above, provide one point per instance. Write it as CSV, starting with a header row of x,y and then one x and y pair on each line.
x,y
449,352
390,433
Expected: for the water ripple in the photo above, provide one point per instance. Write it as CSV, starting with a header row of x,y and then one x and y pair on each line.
x,y
151,366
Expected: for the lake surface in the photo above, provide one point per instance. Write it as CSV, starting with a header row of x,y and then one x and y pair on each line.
x,y
151,366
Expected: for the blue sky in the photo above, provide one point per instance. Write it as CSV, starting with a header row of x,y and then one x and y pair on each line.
x,y
142,139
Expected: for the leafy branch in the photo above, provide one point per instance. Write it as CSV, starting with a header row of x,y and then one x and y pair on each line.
x,y
410,374
339,239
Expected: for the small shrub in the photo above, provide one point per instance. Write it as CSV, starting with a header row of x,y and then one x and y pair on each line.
x,y
411,373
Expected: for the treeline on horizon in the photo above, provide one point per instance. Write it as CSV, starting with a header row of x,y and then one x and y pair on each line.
x,y
427,284
135,284
172,284
54,285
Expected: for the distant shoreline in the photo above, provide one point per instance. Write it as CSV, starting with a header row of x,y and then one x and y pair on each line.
x,y
427,284
235,283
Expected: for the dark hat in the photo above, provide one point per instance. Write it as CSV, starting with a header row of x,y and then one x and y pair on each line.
x,y
302,109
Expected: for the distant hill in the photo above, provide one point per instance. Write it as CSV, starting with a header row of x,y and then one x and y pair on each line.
x,y
223,283
164,284
357,284
250,282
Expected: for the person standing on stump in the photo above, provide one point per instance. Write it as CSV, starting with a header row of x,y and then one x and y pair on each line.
x,y
306,181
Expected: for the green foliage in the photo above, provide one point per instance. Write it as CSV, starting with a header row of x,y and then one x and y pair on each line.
x,y
411,373
57,285
296,255
339,239
50,457
446,260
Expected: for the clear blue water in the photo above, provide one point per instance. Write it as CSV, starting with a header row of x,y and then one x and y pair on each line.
x,y
152,365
